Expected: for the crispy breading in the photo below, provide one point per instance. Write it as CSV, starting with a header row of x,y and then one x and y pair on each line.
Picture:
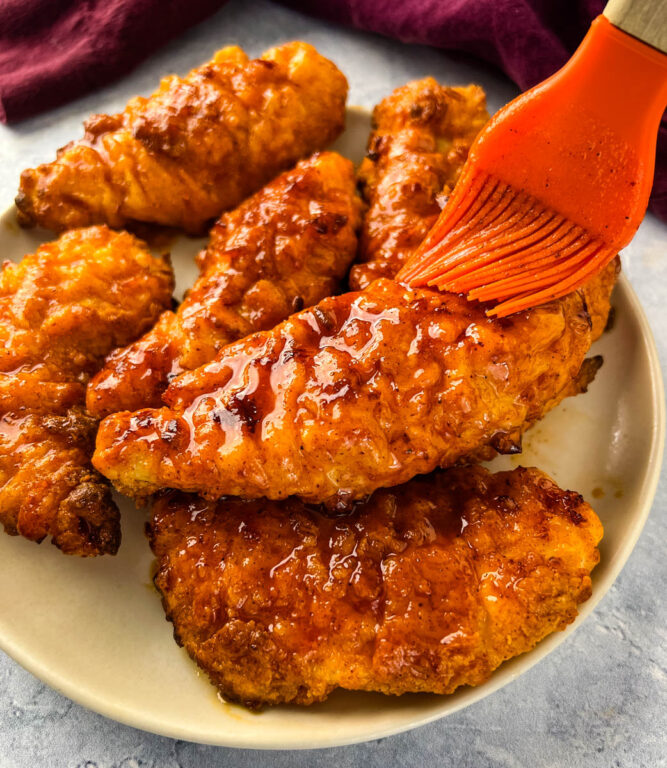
x,y
196,147
426,587
421,136
283,249
363,391
61,310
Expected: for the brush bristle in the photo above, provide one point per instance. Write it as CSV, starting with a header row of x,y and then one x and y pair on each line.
x,y
497,244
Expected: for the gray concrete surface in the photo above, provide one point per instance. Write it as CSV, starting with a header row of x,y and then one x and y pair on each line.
x,y
598,700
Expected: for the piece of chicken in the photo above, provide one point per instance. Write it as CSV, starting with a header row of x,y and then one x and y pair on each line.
x,y
363,391
61,310
196,147
426,587
421,136
285,248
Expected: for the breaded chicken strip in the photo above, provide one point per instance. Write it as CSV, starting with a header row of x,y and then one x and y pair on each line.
x,y
285,248
196,147
363,391
421,137
61,310
426,587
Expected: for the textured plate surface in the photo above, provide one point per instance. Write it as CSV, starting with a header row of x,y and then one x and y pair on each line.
x,y
95,630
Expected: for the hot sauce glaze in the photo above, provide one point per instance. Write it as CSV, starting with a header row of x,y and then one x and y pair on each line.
x,y
363,391
425,587
283,249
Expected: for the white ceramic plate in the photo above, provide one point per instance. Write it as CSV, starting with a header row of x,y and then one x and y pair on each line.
x,y
95,630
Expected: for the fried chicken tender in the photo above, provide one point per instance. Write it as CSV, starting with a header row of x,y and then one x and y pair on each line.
x,y
421,137
363,391
424,588
61,310
198,146
286,247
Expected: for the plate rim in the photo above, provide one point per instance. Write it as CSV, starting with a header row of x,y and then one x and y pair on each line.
x,y
503,676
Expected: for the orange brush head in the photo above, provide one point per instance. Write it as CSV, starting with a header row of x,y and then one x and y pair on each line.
x,y
556,184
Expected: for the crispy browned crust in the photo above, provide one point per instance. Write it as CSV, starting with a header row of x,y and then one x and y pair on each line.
x,y
285,248
196,147
424,588
421,136
363,391
61,310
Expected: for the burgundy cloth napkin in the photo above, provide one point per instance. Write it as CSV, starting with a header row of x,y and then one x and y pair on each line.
x,y
52,51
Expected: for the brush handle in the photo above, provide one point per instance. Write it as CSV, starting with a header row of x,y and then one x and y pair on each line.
x,y
643,19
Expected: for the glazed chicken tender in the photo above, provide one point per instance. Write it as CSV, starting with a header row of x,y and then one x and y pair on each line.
x,y
283,249
61,310
196,147
361,392
425,588
421,136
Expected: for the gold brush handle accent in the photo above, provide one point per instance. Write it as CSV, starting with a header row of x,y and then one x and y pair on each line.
x,y
644,19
